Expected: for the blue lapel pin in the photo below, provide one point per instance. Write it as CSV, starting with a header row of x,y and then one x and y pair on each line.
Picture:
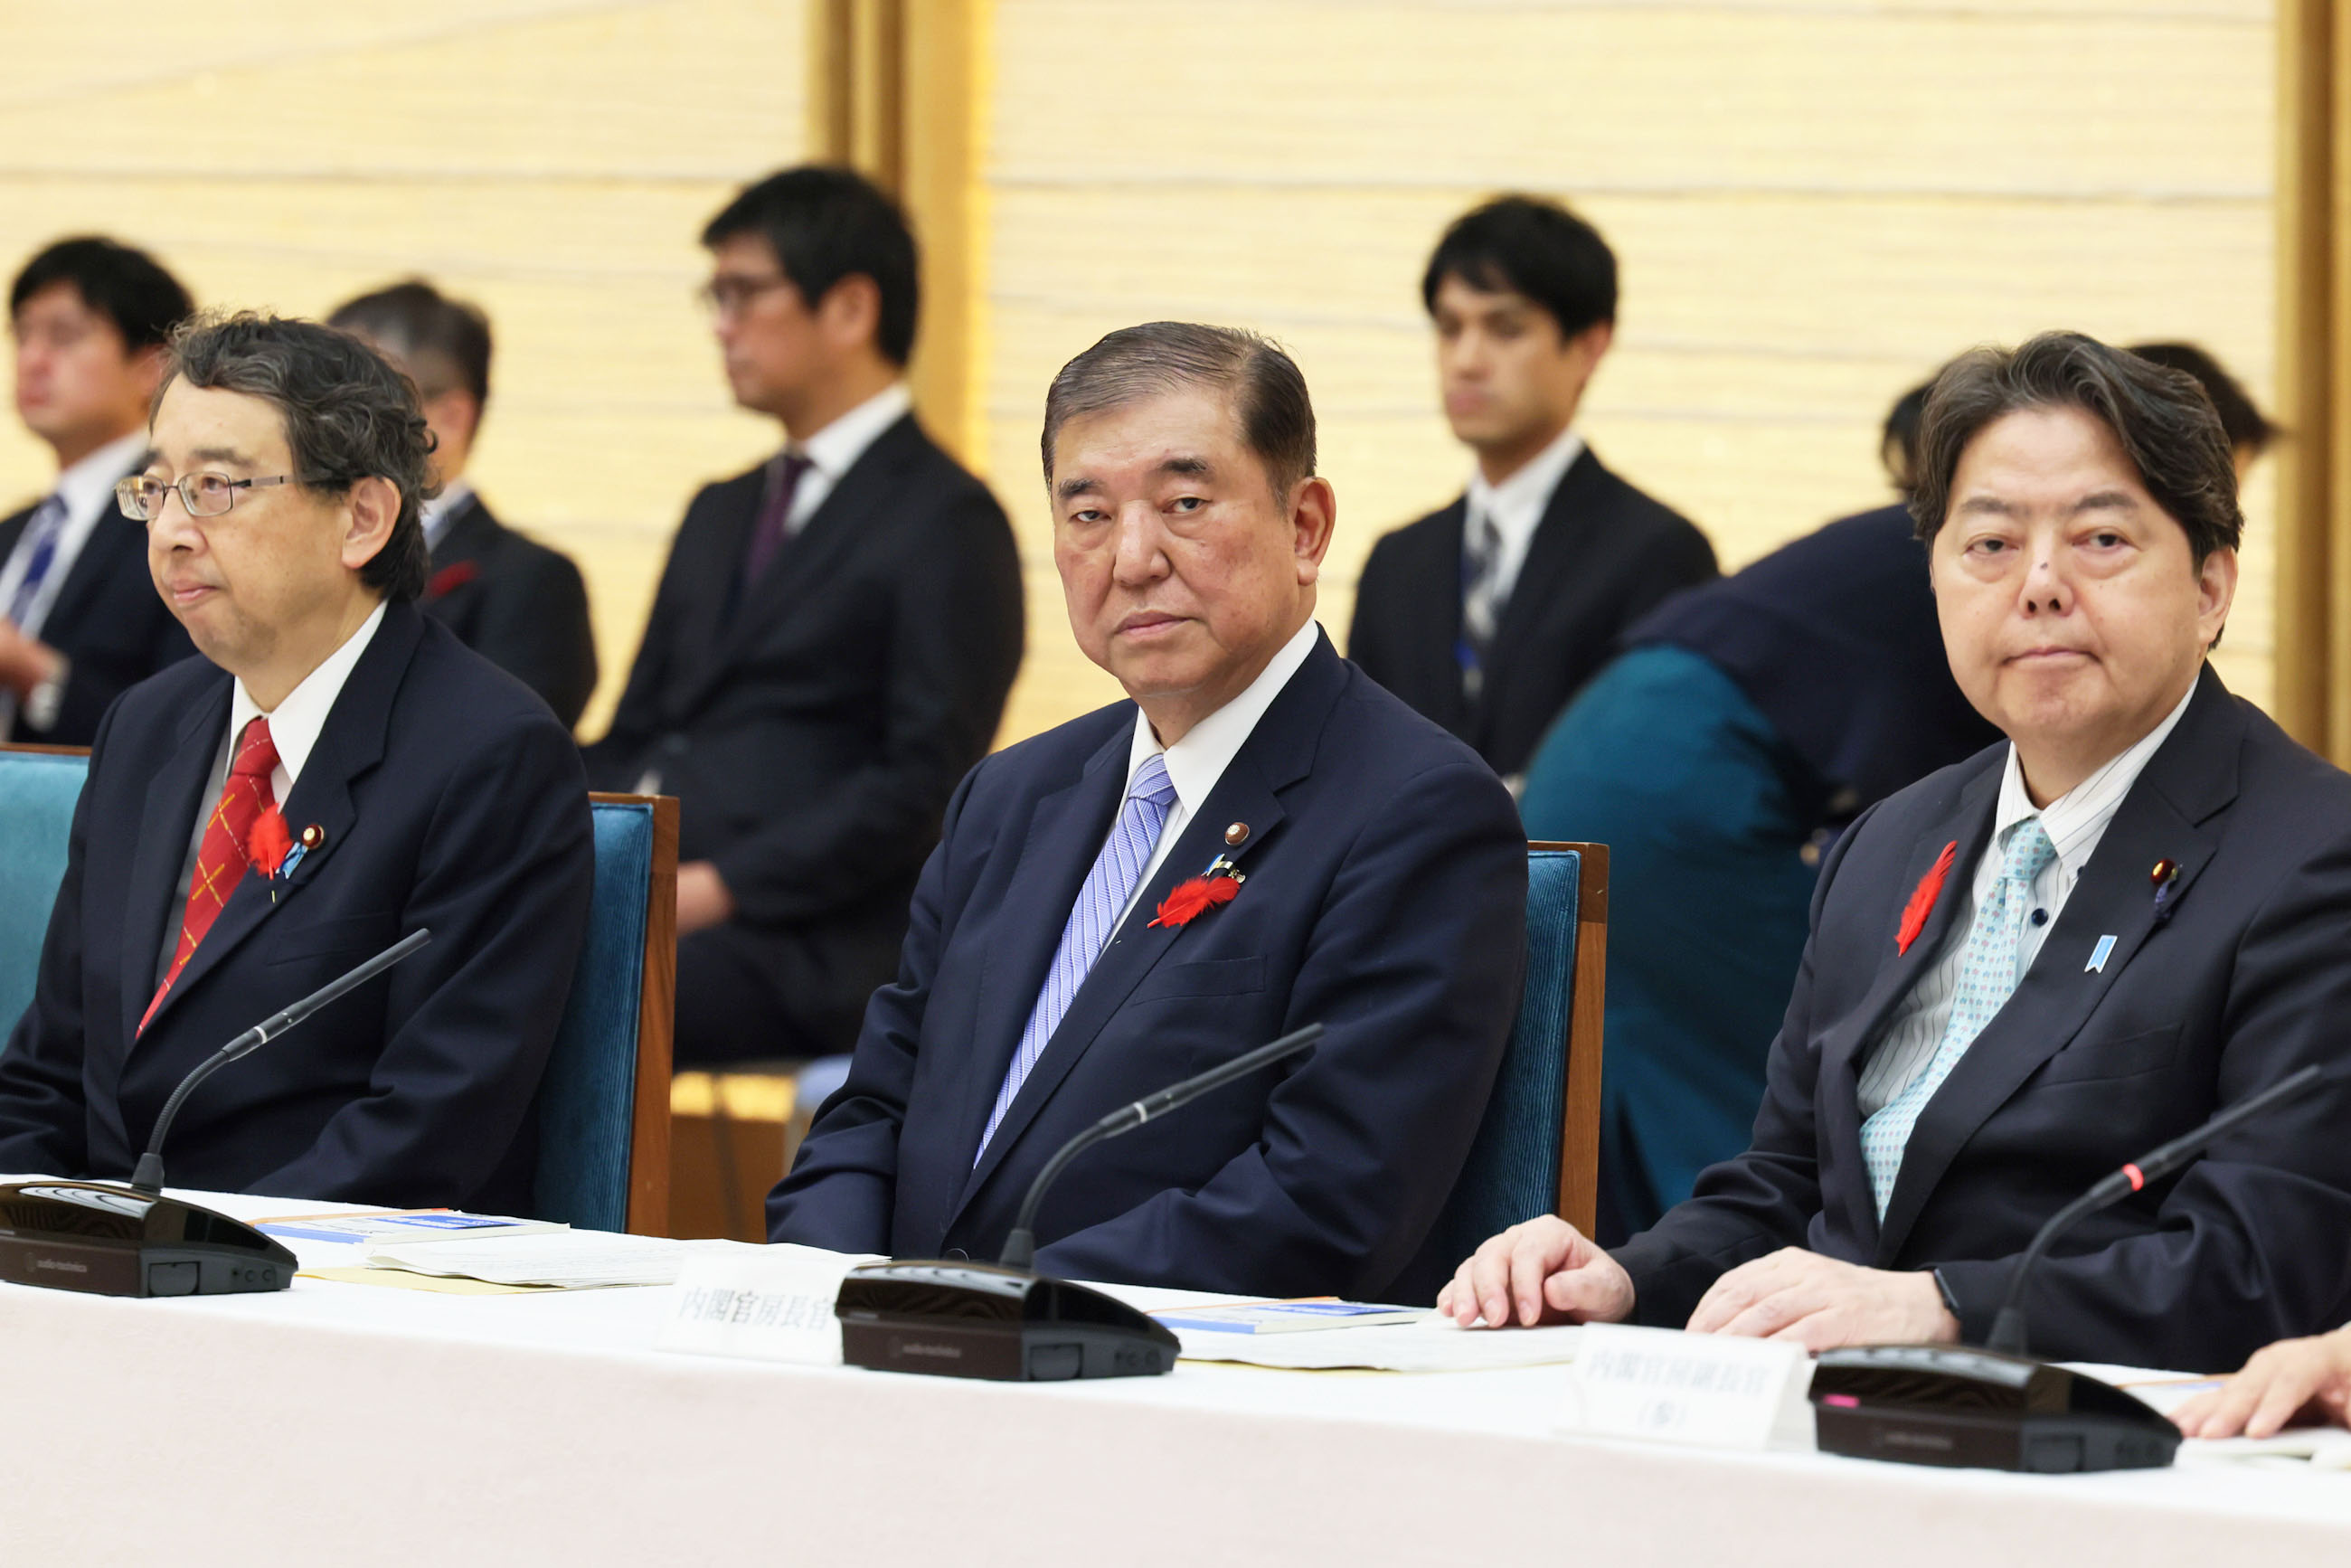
x,y
2166,877
2098,956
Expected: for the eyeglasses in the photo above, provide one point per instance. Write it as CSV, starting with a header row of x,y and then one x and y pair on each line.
x,y
203,494
733,295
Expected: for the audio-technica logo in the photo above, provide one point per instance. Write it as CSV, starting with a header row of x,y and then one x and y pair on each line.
x,y
61,1264
916,1348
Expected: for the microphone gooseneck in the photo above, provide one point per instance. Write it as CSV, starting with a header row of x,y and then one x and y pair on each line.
x,y
2008,1331
149,1177
1021,1246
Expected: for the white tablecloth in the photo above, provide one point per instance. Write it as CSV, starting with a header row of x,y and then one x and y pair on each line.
x,y
356,1424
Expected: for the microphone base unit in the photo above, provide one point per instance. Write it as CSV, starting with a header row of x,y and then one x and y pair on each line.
x,y
110,1240
1948,1405
979,1319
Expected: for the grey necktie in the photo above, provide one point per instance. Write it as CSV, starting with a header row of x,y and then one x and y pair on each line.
x,y
1481,601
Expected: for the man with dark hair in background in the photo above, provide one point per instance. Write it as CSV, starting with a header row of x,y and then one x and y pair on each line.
x,y
1488,614
336,773
510,599
833,640
1261,839
78,618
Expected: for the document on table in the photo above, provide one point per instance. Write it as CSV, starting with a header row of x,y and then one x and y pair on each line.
x,y
1432,1344
572,1259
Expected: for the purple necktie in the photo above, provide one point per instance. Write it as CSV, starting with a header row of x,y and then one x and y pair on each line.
x,y
1101,901
775,525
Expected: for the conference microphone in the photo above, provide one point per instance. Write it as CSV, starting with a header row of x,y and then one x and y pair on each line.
x,y
2008,1328
1005,1320
1998,1408
114,1240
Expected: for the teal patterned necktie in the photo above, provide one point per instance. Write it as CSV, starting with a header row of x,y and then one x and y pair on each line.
x,y
1987,975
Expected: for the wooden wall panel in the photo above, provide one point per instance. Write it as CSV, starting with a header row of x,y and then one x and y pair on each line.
x,y
552,159
1814,206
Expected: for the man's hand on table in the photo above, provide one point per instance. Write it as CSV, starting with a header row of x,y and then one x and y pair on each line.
x,y
1542,1272
2304,1378
1822,1303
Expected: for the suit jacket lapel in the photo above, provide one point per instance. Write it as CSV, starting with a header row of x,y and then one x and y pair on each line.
x,y
1066,831
1551,557
1278,753
351,744
175,794
2191,776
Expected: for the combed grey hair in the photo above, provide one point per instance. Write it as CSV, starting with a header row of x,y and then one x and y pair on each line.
x,y
349,415
1276,416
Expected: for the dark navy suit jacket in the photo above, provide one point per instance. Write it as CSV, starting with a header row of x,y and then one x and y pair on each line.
x,y
2248,980
450,798
1384,898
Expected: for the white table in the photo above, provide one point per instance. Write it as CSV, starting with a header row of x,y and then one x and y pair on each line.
x,y
357,1425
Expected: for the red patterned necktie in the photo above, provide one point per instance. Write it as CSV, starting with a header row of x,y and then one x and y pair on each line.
x,y
221,862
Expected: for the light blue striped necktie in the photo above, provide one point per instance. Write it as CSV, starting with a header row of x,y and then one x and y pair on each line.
x,y
1107,888
1987,976
46,527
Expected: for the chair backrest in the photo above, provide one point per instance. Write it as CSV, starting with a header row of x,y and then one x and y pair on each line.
x,y
603,1107
1538,1149
38,787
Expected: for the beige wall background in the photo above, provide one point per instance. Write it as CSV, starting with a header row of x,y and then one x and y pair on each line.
x,y
1814,203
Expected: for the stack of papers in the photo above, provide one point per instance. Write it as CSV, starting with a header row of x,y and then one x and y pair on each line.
x,y
565,1259
1433,1344
1309,1314
392,1226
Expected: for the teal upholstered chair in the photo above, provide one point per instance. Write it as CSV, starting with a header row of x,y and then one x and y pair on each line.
x,y
603,1108
39,787
1537,1150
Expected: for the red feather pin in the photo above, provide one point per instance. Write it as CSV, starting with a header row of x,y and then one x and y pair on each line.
x,y
268,844
1188,900
1922,898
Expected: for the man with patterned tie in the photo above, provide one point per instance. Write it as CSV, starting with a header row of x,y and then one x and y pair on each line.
x,y
336,772
1553,554
2029,968
78,618
832,641
1262,838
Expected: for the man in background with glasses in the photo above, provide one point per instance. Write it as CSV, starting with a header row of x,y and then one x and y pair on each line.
x,y
78,618
832,641
336,772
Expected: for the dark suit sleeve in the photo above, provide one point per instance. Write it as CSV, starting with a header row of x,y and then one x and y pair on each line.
x,y
954,645
1369,634
43,1118
1764,1199
843,1184
617,760
2250,1242
92,686
1414,967
535,626
502,882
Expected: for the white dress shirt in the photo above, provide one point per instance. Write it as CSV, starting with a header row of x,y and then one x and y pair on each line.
x,y
293,728
435,513
834,450
1517,505
1196,762
88,490
2075,822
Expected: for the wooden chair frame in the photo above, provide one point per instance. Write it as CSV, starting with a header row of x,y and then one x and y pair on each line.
x,y
1579,1131
657,1024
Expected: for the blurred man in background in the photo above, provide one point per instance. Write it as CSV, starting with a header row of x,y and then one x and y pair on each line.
x,y
831,642
80,618
518,603
1488,615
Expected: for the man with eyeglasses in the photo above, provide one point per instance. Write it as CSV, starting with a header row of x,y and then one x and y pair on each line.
x,y
833,640
336,772
78,620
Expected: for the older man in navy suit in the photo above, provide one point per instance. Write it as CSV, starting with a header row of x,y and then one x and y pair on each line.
x,y
1261,839
2031,968
336,772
